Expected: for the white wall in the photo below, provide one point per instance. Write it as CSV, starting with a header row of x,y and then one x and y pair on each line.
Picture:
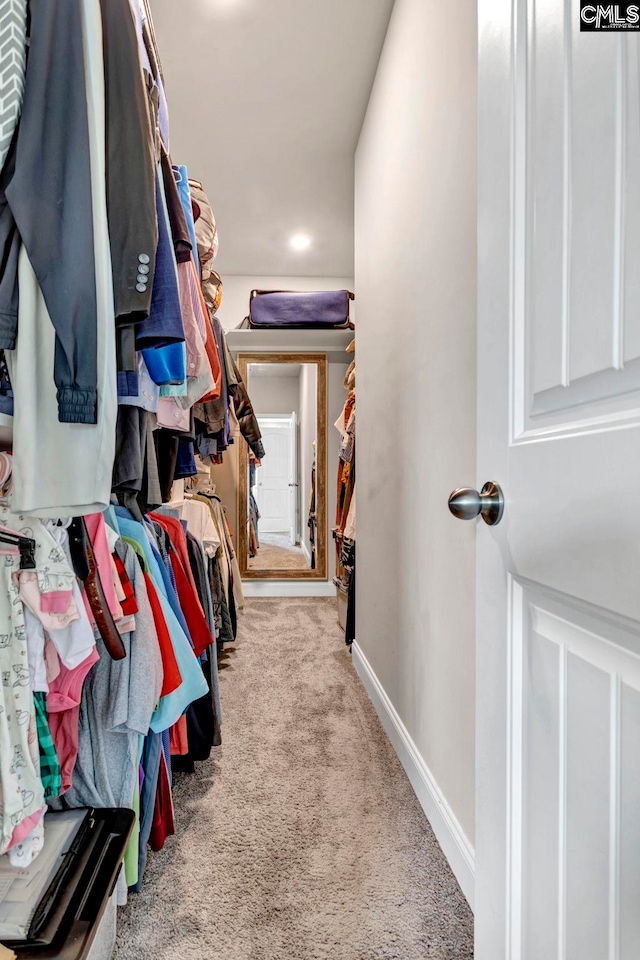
x,y
274,395
416,396
308,431
237,290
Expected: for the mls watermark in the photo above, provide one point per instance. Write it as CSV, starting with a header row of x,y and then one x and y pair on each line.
x,y
609,16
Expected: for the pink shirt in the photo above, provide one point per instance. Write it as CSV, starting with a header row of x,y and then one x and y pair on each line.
x,y
192,336
63,713
98,534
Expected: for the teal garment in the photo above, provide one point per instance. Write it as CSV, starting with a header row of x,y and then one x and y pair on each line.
x,y
151,759
194,685
132,852
174,389
49,764
126,526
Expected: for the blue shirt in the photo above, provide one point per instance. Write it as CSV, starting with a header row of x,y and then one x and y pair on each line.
x,y
182,179
163,329
137,389
171,707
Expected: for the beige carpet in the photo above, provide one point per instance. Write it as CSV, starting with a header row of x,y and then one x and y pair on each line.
x,y
277,553
302,840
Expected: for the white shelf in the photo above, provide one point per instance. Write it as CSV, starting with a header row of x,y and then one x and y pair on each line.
x,y
332,342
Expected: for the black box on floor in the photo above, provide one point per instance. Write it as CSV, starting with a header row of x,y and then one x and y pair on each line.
x,y
67,918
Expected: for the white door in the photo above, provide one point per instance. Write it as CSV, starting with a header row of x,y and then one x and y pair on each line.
x,y
294,486
558,656
272,493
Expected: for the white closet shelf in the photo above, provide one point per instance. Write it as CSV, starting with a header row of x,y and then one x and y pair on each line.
x,y
332,342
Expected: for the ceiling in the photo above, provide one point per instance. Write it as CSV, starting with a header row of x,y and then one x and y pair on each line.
x,y
266,102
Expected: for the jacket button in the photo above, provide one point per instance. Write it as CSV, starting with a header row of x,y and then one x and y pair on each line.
x,y
144,258
141,287
144,268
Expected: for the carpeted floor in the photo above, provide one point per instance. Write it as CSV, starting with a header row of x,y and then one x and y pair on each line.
x,y
302,839
277,553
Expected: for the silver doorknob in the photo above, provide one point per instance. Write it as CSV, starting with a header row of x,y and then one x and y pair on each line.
x,y
467,504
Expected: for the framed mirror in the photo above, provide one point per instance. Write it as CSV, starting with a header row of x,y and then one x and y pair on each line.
x,y
282,530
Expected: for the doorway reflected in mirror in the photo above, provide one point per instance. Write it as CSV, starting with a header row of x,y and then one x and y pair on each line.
x,y
282,494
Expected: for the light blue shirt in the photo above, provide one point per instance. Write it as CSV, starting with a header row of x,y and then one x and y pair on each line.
x,y
193,686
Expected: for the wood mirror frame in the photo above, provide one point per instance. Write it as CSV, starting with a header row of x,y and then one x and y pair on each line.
x,y
320,573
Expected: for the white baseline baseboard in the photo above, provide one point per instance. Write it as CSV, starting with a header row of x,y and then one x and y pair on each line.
x,y
450,835
288,588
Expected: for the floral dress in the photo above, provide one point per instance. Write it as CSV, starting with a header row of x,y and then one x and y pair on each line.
x,y
47,590
21,791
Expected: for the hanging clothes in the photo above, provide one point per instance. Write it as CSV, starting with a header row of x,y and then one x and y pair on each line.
x,y
22,790
86,487
118,701
345,530
60,250
207,246
131,180
312,520
13,43
112,358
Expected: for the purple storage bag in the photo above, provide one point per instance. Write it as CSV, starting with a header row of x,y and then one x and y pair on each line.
x,y
283,308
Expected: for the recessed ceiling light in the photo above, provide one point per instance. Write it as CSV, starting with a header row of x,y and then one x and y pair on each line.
x,y
300,242
215,9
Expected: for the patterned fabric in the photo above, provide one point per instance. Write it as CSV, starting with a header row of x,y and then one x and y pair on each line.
x,y
6,391
49,765
13,62
207,237
21,793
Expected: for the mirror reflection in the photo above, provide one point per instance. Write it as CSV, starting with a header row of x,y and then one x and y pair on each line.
x,y
282,488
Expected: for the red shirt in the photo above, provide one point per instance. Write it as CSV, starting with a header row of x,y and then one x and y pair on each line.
x,y
192,611
163,825
185,584
172,678
129,605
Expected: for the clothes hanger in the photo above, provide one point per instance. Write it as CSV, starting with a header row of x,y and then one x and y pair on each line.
x,y
149,28
25,545
201,482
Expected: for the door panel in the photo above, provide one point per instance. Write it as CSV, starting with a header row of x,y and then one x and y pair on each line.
x,y
541,790
579,223
273,478
588,913
294,485
569,789
629,932
570,521
558,731
595,126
